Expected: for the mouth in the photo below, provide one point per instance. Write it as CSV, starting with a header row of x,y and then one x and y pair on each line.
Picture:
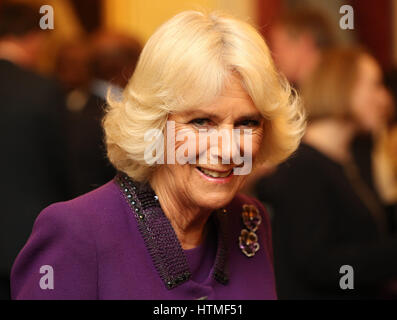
x,y
215,174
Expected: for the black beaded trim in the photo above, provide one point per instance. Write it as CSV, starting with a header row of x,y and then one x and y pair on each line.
x,y
220,271
159,236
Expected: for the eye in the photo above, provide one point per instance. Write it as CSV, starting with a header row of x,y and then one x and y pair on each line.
x,y
249,123
200,121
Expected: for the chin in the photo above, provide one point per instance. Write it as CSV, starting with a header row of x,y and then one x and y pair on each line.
x,y
212,188
214,200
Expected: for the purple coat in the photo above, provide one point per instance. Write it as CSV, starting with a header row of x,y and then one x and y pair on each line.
x,y
116,243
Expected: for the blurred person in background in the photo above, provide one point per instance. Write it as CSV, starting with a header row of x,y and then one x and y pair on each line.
x,y
385,154
32,145
72,69
88,70
113,60
325,214
385,170
298,39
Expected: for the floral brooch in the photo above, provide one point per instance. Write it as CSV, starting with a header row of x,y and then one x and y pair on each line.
x,y
248,240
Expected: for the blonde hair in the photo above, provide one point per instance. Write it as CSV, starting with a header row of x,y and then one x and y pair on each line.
x,y
327,92
186,63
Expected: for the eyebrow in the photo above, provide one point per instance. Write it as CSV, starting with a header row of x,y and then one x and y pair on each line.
x,y
251,116
210,115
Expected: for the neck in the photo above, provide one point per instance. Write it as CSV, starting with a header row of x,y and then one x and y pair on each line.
x,y
187,220
331,137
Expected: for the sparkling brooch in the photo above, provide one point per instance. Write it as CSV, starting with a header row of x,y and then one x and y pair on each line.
x,y
248,240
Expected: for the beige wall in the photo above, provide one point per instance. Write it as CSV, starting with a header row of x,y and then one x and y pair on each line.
x,y
142,17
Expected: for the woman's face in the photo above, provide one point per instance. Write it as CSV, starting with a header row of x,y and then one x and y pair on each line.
x,y
213,185
370,101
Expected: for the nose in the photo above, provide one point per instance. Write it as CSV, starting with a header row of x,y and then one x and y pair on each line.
x,y
227,146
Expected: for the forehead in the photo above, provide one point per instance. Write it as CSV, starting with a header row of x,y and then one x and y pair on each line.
x,y
232,95
233,101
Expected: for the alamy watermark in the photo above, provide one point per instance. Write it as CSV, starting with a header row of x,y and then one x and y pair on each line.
x,y
347,20
47,20
47,280
347,280
200,147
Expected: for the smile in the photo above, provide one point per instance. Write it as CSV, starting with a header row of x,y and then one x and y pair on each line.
x,y
215,174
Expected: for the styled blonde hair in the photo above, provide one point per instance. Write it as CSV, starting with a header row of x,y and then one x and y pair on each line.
x,y
186,63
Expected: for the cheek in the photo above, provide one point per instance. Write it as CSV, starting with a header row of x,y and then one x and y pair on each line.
x,y
180,175
364,104
359,101
365,94
256,142
186,143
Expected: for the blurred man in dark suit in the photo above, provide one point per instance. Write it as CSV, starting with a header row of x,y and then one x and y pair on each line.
x,y
86,73
298,40
31,144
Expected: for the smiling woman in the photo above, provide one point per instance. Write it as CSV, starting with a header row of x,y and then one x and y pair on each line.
x,y
176,229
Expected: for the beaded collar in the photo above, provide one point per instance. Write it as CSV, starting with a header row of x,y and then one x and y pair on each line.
x,y
160,239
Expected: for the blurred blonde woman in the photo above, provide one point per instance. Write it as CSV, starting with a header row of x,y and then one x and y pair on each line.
x,y
325,214
385,161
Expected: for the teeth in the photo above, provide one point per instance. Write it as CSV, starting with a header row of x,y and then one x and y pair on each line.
x,y
215,174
